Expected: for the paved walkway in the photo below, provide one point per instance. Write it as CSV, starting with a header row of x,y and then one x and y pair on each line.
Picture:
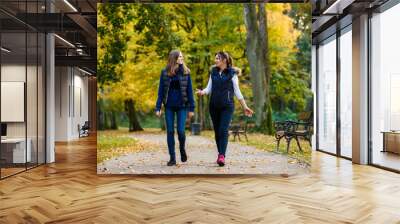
x,y
202,155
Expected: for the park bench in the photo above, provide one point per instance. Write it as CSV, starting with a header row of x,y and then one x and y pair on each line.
x,y
240,127
302,128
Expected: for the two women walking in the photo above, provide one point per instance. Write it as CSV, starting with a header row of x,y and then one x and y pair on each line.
x,y
176,94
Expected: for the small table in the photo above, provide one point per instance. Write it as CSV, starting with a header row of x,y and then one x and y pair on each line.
x,y
391,141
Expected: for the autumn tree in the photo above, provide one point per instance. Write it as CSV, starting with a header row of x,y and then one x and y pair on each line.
x,y
258,58
112,45
273,77
289,25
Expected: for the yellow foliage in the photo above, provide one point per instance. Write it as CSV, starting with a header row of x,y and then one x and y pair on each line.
x,y
282,35
141,73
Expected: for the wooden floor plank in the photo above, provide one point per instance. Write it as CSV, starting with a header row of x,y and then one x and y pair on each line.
x,y
70,191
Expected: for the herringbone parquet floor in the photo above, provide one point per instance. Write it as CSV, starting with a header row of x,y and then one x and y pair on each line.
x,y
69,191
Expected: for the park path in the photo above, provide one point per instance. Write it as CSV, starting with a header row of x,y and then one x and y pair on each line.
x,y
202,156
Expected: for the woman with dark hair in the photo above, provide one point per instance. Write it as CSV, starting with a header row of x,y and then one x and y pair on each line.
x,y
222,85
176,93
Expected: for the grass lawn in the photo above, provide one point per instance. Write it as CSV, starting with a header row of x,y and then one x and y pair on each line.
x,y
268,143
112,143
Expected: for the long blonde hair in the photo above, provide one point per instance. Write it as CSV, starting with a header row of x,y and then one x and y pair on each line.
x,y
172,65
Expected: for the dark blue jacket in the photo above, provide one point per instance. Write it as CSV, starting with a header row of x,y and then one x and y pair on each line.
x,y
222,91
175,91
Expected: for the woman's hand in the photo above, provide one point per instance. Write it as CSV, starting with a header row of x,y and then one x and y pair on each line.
x,y
158,113
248,112
191,114
199,92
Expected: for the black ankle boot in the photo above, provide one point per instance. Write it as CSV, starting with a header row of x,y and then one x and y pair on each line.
x,y
183,155
171,162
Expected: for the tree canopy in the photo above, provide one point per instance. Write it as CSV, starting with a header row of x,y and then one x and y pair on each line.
x,y
134,41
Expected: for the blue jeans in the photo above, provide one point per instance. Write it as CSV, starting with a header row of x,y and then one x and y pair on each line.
x,y
169,120
221,118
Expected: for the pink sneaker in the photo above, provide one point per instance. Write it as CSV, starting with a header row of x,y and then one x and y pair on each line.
x,y
221,160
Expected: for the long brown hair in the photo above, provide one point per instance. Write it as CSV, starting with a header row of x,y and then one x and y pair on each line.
x,y
172,65
229,61
224,55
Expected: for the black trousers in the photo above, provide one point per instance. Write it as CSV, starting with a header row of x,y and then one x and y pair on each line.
x,y
221,118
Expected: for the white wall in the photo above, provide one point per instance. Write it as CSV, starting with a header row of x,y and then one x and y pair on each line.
x,y
80,110
71,94
62,81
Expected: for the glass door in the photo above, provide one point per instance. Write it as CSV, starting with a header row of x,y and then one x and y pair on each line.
x,y
327,95
346,92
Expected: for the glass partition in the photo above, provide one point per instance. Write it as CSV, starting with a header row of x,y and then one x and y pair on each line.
x,y
31,97
385,89
14,145
346,92
327,95
41,88
22,78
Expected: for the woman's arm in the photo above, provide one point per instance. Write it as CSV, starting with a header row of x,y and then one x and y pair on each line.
x,y
206,90
236,89
160,93
240,97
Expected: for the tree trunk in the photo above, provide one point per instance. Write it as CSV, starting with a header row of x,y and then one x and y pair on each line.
x,y
134,124
100,115
266,123
255,57
106,120
113,120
